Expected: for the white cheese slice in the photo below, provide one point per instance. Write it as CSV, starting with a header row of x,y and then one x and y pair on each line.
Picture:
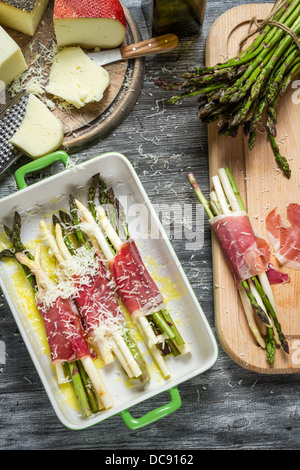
x,y
75,78
12,62
22,15
40,132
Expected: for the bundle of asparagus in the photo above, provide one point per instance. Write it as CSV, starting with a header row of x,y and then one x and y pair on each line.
x,y
252,282
69,351
105,324
242,90
107,228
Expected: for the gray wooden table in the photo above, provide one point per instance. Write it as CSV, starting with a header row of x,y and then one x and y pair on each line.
x,y
226,407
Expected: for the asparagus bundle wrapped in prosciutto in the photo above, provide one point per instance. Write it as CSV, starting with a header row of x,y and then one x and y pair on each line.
x,y
248,263
91,291
134,285
69,349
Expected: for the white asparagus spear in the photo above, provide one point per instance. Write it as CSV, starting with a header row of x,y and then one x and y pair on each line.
x,y
251,317
259,301
94,374
108,228
232,199
50,240
220,195
92,229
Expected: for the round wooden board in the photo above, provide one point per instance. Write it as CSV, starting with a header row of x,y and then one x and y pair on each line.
x,y
86,126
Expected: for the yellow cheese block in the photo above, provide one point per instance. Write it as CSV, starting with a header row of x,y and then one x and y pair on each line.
x,y
12,62
89,24
89,33
40,132
22,15
76,79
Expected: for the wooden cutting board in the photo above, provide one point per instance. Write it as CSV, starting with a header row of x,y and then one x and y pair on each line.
x,y
86,126
263,188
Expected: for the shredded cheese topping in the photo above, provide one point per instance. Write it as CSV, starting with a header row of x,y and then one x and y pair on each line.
x,y
73,276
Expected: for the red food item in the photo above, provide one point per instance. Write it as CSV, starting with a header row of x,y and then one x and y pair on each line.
x,y
274,275
97,303
65,333
89,9
134,285
239,246
285,238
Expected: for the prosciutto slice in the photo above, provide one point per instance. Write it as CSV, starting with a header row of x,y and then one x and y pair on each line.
x,y
274,275
136,288
97,303
64,330
285,238
239,245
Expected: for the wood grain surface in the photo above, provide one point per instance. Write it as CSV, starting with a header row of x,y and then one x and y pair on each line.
x,y
226,408
263,187
93,122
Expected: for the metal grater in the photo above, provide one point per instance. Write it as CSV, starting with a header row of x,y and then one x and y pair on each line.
x,y
10,120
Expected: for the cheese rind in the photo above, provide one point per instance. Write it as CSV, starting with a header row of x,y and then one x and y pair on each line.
x,y
90,24
40,132
75,78
23,16
12,61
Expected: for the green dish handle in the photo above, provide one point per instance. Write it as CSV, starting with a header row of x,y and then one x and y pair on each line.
x,y
39,164
154,415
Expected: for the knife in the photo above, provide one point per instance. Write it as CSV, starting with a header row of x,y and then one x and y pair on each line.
x,y
156,45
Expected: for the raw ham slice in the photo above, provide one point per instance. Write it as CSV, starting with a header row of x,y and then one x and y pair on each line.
x,y
134,285
98,304
238,244
274,275
285,238
65,333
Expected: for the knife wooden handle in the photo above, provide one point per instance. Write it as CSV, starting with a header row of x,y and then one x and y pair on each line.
x,y
157,45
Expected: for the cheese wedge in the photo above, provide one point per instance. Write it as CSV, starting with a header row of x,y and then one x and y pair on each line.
x,y
12,62
40,132
22,15
97,23
75,78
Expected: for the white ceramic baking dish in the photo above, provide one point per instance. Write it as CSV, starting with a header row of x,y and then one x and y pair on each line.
x,y
47,196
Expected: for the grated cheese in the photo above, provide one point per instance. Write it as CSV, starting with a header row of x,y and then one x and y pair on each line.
x,y
80,266
34,79
74,275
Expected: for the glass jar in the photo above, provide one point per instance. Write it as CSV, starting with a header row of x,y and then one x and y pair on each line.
x,y
180,17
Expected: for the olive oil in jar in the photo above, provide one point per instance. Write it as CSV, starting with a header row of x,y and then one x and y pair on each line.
x,y
180,17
